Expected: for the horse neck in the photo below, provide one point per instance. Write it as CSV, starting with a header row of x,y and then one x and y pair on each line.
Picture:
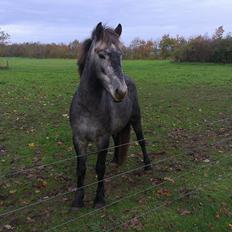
x,y
90,88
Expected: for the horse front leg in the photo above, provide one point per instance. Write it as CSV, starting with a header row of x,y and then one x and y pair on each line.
x,y
116,149
102,147
80,148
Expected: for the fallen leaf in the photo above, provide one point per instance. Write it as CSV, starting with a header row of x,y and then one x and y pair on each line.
x,y
142,201
29,219
41,184
65,115
156,181
132,155
184,212
12,191
60,143
31,145
134,224
223,210
8,227
169,179
164,192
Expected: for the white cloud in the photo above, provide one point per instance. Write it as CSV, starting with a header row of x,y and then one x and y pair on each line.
x,y
44,33
63,21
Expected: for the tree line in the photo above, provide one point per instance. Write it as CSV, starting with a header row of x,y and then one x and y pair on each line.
x,y
202,48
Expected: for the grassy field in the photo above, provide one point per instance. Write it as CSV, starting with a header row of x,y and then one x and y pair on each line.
x,y
187,121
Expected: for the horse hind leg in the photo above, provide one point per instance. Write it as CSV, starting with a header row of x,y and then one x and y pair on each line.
x,y
121,142
136,124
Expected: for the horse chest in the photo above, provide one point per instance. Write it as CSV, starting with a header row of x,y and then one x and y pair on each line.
x,y
91,128
120,116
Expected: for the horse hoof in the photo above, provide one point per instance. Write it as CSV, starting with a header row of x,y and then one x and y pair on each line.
x,y
99,205
76,206
75,209
113,164
148,167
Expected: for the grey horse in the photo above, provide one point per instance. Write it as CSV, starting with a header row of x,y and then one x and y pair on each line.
x,y
104,105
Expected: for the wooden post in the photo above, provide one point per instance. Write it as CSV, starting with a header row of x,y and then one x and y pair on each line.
x,y
6,66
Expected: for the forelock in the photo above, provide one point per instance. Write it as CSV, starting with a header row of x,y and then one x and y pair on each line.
x,y
109,36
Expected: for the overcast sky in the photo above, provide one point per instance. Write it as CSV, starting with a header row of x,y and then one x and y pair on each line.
x,y
66,20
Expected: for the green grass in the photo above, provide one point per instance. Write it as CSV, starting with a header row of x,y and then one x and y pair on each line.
x,y
186,111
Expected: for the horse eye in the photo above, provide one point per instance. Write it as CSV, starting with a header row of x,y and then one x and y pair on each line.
x,y
101,56
103,70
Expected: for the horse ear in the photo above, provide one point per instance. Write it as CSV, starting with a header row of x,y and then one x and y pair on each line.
x,y
99,31
118,29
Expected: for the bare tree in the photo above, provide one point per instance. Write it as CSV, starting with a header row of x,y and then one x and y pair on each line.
x,y
218,34
4,37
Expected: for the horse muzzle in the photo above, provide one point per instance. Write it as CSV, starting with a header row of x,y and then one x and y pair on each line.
x,y
120,93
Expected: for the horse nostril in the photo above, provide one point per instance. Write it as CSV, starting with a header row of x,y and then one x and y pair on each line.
x,y
120,94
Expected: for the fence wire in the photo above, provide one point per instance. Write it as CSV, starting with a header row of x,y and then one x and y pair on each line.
x,y
85,186
127,197
153,209
11,174
8,212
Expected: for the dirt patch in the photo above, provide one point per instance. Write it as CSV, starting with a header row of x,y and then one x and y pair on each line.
x,y
199,144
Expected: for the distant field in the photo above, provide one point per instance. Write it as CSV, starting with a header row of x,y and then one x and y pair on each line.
x,y
187,118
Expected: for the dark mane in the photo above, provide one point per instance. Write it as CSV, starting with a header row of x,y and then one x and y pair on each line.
x,y
109,37
85,46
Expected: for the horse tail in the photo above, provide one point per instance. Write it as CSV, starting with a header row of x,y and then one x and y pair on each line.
x,y
123,145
